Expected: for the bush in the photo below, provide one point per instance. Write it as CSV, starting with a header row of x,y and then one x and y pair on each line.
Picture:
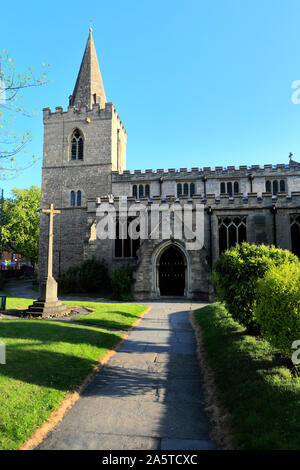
x,y
121,283
93,276
89,276
2,280
277,309
236,273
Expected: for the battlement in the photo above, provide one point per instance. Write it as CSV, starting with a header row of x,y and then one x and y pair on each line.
x,y
84,113
251,200
208,172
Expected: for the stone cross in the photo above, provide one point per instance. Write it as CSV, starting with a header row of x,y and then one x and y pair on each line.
x,y
52,212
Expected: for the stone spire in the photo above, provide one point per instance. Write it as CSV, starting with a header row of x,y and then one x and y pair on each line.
x,y
89,87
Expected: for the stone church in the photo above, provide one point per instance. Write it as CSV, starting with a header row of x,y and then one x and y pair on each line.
x,y
84,165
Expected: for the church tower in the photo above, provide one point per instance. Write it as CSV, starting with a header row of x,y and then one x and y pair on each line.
x,y
82,146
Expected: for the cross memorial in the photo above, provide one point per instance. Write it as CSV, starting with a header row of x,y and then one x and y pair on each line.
x,y
48,303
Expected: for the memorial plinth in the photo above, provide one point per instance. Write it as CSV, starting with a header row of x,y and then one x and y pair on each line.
x,y
48,303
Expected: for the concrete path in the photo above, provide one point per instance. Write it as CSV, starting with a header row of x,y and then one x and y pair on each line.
x,y
148,396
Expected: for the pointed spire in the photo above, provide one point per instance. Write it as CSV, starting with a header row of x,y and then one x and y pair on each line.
x,y
89,86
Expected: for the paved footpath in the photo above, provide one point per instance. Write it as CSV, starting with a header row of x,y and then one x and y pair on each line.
x,y
148,396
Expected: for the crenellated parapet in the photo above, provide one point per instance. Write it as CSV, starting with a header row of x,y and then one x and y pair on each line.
x,y
84,113
215,201
229,172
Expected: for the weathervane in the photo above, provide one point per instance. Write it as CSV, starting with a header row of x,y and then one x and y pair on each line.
x,y
91,24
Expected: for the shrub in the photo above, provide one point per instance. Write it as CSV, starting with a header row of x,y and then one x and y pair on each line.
x,y
277,309
2,281
236,273
121,283
93,276
68,281
89,276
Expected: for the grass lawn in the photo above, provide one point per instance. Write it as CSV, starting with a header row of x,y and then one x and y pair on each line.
x,y
120,316
44,360
257,389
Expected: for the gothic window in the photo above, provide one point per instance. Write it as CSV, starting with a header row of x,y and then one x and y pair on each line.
x,y
78,198
125,247
72,198
229,188
274,186
77,145
185,189
232,230
295,234
141,190
268,186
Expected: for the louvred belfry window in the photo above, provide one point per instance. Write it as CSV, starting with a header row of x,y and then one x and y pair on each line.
x,y
77,145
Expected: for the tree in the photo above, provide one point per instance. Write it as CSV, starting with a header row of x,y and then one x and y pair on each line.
x,y
21,223
12,84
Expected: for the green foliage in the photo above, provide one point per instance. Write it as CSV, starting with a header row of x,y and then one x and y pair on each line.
x,y
2,281
121,283
277,310
21,223
253,382
236,273
12,84
89,276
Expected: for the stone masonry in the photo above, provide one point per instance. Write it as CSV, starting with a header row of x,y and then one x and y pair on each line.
x,y
264,199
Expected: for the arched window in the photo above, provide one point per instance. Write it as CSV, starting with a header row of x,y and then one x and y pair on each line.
x,y
141,190
77,145
134,190
147,190
179,189
78,198
185,189
282,186
229,188
72,198
223,189
275,187
268,186
236,187
192,189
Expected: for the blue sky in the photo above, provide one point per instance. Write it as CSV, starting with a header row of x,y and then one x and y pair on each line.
x,y
196,82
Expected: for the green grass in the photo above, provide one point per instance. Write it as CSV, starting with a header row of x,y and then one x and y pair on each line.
x,y
119,316
44,360
260,393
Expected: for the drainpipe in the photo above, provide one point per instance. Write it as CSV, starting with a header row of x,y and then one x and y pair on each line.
x,y
160,185
204,179
251,178
274,211
209,212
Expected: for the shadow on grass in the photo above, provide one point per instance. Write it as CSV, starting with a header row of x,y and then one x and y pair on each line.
x,y
52,355
257,389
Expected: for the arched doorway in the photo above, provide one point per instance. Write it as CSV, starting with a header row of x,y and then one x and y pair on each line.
x,y
172,269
